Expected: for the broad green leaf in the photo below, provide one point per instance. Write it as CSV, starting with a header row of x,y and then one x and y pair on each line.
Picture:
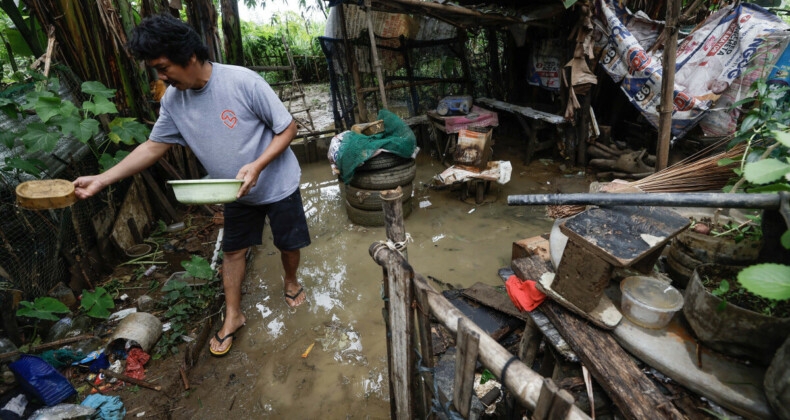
x,y
7,138
175,285
782,137
765,171
741,102
10,110
38,137
83,130
785,239
99,106
68,109
97,304
198,267
42,308
770,281
5,101
106,161
98,90
47,107
748,122
53,84
18,44
32,98
31,166
128,131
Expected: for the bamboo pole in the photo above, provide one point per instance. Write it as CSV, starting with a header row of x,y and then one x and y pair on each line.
x,y
374,53
667,85
523,382
351,63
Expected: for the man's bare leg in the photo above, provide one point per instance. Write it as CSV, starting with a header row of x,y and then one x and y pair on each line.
x,y
234,265
290,265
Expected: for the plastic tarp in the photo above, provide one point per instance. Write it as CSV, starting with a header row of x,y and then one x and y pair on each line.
x,y
709,60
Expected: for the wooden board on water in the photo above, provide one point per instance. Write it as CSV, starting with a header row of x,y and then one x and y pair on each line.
x,y
46,194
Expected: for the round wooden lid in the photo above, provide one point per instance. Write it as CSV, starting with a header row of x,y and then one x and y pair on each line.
x,y
46,194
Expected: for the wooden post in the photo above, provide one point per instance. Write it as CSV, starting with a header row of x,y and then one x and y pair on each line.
x,y
584,129
530,341
351,62
467,343
401,318
493,62
374,53
415,99
465,67
667,85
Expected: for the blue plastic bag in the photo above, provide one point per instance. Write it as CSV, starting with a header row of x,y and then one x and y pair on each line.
x,y
40,379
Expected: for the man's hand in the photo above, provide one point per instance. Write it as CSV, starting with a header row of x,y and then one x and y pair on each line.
x,y
249,174
87,186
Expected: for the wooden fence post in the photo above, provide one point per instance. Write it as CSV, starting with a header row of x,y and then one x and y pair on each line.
x,y
426,347
467,343
401,317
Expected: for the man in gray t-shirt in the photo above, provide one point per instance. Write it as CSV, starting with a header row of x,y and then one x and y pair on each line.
x,y
238,128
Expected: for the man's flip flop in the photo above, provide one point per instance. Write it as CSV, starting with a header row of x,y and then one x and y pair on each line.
x,y
293,298
222,340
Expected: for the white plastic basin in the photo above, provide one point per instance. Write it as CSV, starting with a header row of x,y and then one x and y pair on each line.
x,y
206,191
649,302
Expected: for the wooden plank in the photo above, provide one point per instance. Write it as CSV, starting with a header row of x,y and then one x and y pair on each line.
x,y
633,393
547,392
467,343
536,245
401,319
426,347
523,110
530,340
492,298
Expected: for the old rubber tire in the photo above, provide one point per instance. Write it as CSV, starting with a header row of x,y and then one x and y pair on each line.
x,y
371,199
373,218
382,161
385,179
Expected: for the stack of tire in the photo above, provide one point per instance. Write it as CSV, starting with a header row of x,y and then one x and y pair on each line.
x,y
385,171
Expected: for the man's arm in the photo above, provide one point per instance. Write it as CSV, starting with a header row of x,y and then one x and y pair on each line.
x,y
250,172
141,157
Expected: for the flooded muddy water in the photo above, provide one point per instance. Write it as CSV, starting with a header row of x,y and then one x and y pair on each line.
x,y
345,374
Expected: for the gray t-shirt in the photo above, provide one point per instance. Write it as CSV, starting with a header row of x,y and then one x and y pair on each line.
x,y
228,123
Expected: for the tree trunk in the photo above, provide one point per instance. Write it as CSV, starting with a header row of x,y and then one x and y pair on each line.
x,y
153,7
231,29
202,16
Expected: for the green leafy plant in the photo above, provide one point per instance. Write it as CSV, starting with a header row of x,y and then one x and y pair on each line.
x,y
96,304
764,167
182,302
59,118
42,308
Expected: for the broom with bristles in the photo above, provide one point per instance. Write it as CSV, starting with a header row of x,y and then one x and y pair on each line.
x,y
698,172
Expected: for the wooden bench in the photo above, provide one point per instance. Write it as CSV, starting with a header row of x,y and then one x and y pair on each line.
x,y
531,121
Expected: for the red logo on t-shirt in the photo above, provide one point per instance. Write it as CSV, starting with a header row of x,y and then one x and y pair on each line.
x,y
229,118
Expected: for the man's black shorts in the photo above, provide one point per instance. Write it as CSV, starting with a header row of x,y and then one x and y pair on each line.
x,y
244,224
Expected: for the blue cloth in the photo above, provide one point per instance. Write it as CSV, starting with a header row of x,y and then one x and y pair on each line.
x,y
107,408
101,362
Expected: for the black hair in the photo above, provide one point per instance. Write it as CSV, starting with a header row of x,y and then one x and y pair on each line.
x,y
164,35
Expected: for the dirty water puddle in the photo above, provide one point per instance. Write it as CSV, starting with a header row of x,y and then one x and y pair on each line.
x,y
345,373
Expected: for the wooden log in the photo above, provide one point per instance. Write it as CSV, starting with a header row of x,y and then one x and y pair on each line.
x,y
133,381
633,393
667,84
467,343
393,217
520,380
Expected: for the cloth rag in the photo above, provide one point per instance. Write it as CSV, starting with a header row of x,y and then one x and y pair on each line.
x,y
524,294
107,407
134,363
61,357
